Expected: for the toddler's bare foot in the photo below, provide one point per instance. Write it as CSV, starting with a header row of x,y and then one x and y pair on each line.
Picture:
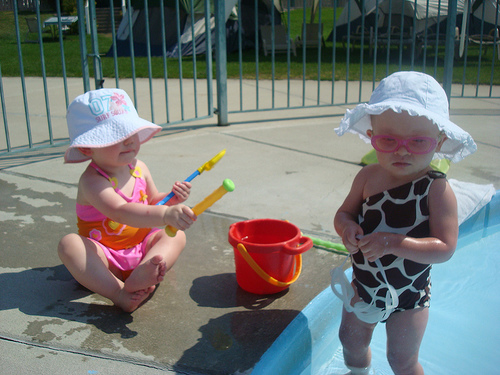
x,y
130,301
146,274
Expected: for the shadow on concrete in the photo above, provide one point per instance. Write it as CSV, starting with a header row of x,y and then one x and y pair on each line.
x,y
235,341
52,292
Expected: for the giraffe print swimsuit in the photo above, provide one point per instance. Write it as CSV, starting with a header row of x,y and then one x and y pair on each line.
x,y
403,210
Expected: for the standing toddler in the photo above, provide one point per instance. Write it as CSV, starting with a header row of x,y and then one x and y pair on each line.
x,y
398,219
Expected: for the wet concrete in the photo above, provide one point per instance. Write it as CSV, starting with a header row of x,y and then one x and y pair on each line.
x,y
198,321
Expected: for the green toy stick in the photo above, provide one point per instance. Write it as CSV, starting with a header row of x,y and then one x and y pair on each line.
x,y
328,244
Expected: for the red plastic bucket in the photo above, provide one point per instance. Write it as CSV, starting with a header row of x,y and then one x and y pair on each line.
x,y
267,254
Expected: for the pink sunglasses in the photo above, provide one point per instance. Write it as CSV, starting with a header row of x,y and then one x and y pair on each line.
x,y
414,145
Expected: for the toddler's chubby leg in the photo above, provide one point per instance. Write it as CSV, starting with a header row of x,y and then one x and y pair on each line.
x,y
355,336
86,261
405,331
162,252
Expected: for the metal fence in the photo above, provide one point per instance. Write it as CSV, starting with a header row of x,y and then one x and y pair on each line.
x,y
319,54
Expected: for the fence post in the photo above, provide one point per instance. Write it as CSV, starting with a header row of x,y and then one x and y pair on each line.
x,y
95,46
221,62
83,44
449,51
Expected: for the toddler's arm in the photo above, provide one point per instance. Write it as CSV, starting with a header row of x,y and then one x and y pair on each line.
x,y
181,189
346,221
139,215
97,191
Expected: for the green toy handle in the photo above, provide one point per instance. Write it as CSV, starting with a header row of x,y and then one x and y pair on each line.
x,y
328,244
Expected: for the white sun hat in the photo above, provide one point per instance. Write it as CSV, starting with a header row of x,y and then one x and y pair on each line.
x,y
420,95
103,118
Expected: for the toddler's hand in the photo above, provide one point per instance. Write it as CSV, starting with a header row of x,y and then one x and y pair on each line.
x,y
179,216
375,245
181,191
350,238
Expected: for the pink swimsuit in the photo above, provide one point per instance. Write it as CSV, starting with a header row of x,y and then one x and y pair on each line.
x,y
123,245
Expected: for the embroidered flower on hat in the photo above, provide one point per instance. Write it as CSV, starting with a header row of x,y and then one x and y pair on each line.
x,y
119,99
110,105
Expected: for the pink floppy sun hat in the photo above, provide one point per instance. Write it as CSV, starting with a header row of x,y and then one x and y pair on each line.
x,y
103,118
420,95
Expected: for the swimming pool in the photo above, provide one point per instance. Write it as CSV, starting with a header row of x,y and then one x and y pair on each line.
x,y
463,333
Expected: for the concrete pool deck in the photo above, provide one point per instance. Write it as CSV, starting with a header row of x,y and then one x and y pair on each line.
x,y
198,321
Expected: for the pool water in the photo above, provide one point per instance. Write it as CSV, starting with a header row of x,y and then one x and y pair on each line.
x,y
463,333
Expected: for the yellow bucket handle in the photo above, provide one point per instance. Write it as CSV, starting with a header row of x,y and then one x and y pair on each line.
x,y
271,280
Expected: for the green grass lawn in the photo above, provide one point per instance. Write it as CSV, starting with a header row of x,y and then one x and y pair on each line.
x,y
32,63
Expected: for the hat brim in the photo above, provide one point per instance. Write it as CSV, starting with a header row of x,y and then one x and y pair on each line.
x,y
457,146
93,138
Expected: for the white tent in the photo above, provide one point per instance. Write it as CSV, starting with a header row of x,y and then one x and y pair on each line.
x,y
435,10
419,13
